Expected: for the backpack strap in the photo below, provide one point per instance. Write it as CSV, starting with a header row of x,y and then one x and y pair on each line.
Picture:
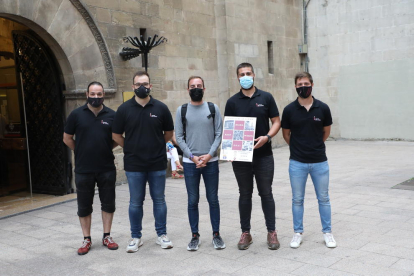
x,y
212,111
183,120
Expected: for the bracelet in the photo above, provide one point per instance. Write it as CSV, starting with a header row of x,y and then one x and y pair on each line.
x,y
270,138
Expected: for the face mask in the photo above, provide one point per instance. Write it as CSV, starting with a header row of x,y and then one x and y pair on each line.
x,y
95,102
196,94
304,91
246,82
142,92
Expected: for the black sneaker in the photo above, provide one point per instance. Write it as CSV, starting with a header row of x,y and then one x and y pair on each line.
x,y
194,243
218,242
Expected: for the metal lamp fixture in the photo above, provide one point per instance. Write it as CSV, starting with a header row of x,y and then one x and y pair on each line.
x,y
144,47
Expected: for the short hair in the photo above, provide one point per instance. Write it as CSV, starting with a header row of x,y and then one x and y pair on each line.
x,y
194,77
243,65
302,75
95,83
139,74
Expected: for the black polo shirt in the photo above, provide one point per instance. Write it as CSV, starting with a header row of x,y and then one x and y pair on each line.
x,y
261,105
306,130
144,147
93,139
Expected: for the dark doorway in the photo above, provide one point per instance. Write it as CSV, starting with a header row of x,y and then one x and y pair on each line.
x,y
42,107
33,157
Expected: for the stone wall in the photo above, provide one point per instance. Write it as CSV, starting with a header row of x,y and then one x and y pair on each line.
x,y
250,25
208,38
362,59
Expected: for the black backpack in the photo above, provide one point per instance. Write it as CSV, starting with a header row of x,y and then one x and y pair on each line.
x,y
184,112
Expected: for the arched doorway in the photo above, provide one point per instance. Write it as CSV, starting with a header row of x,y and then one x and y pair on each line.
x,y
76,48
33,156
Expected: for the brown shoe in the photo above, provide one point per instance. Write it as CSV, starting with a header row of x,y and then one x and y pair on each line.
x,y
245,241
272,242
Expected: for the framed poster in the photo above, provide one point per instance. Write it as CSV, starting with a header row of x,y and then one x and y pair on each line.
x,y
238,139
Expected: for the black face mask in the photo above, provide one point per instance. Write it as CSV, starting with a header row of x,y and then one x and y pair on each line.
x,y
95,102
196,94
142,92
304,91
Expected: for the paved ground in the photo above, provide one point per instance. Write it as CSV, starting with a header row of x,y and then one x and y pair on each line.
x,y
372,224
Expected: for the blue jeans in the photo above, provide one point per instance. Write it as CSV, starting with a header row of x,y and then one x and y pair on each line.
x,y
192,177
319,172
137,183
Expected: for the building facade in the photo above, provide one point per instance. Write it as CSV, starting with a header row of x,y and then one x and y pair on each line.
x,y
52,49
361,54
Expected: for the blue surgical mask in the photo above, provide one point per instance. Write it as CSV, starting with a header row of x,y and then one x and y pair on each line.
x,y
246,82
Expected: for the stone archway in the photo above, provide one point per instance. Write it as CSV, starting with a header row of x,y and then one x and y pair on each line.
x,y
71,33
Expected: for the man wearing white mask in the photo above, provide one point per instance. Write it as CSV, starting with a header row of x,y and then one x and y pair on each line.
x,y
253,102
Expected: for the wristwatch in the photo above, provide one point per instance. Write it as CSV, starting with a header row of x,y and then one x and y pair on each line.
x,y
191,156
270,138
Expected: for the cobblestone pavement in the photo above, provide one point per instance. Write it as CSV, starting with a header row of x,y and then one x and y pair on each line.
x,y
372,224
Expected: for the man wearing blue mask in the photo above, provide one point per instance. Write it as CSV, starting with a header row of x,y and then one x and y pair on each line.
x,y
148,125
253,102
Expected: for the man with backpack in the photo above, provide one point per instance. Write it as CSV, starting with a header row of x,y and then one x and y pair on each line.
x,y
198,130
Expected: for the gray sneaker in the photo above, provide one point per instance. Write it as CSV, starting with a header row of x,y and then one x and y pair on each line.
x,y
194,243
133,245
218,242
164,241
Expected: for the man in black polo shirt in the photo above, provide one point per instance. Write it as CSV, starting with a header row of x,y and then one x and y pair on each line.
x,y
94,162
148,125
306,125
253,102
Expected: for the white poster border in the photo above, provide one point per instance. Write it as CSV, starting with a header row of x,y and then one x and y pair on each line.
x,y
237,141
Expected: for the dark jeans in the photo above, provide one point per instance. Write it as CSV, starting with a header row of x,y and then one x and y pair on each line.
x,y
262,168
137,182
210,175
85,188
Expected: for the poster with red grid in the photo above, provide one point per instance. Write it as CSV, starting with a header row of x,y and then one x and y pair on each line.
x,y
238,139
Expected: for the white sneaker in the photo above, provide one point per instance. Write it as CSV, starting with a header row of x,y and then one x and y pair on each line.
x,y
296,240
329,240
134,245
164,241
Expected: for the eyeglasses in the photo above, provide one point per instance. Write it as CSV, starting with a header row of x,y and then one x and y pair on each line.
x,y
138,84
196,86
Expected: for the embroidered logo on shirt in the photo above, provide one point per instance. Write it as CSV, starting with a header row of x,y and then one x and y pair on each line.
x,y
154,116
259,105
316,119
104,123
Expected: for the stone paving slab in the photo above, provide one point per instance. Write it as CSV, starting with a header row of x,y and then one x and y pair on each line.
x,y
372,224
